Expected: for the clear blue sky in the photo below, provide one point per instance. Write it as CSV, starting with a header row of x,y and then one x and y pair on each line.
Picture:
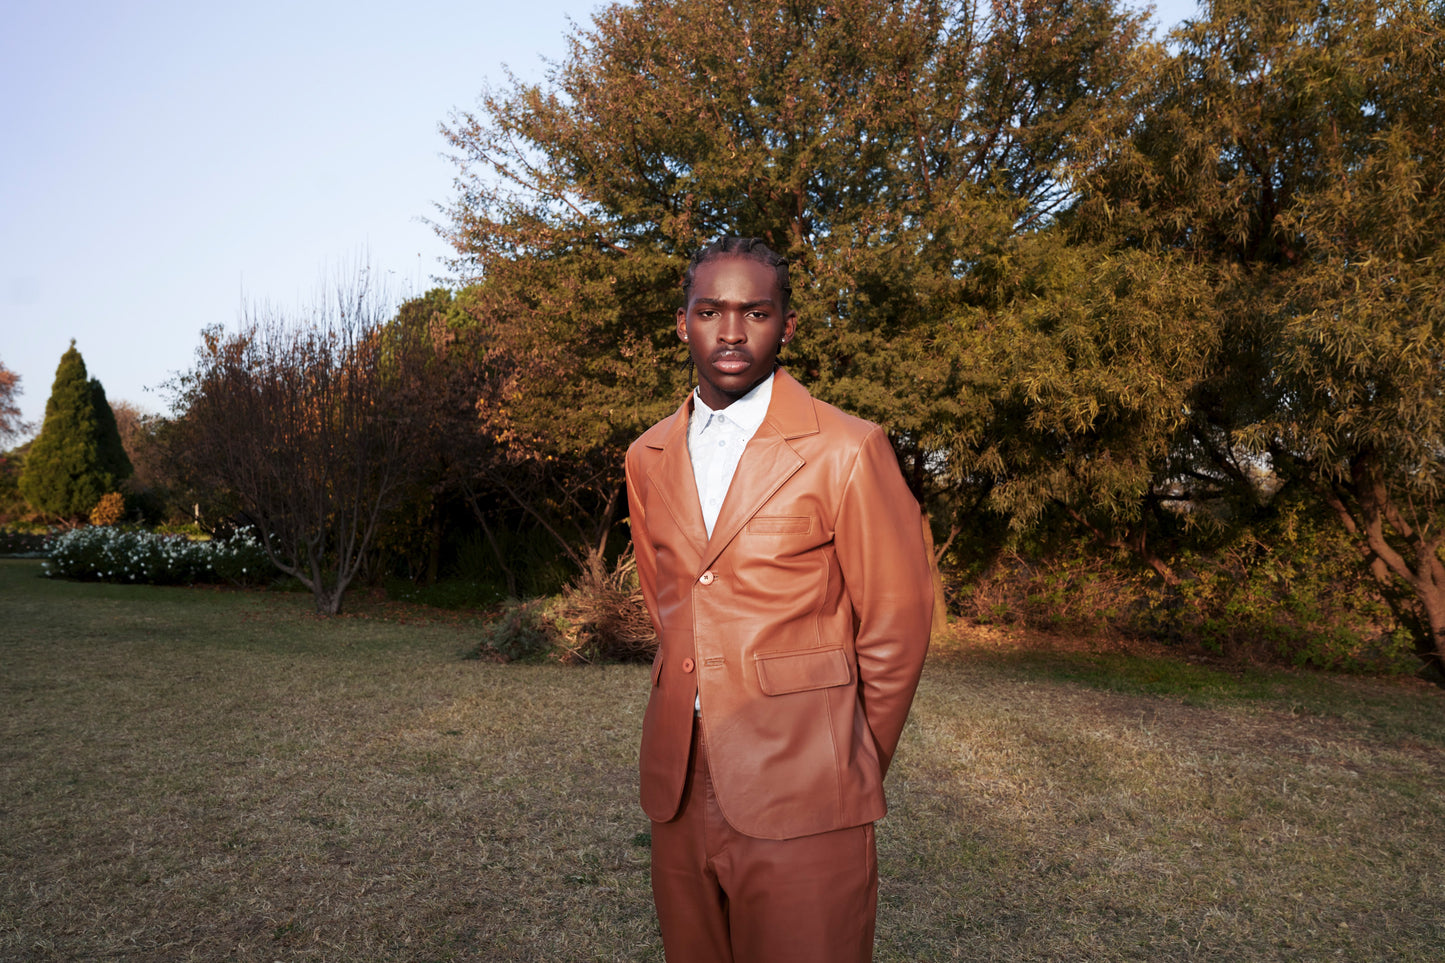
x,y
162,162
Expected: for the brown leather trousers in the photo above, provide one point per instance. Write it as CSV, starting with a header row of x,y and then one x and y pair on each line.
x,y
723,897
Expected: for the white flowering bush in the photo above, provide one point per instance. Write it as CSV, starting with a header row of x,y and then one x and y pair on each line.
x,y
104,554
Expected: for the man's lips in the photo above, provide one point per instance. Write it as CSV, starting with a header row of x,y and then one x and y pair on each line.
x,y
732,362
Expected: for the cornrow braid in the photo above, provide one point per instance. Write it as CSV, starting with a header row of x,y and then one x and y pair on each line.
x,y
751,248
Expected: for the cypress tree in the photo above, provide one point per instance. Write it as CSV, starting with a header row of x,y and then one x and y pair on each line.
x,y
110,449
78,456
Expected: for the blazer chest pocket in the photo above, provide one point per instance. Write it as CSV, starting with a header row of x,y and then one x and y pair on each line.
x,y
802,669
780,524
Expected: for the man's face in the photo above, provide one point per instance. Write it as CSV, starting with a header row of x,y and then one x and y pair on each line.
x,y
733,324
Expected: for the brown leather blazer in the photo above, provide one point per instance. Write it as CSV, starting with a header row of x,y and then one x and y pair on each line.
x,y
802,622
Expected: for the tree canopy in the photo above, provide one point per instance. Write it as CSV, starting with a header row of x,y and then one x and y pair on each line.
x,y
10,423
885,148
1290,152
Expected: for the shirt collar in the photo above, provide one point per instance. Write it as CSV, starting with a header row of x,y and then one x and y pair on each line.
x,y
748,412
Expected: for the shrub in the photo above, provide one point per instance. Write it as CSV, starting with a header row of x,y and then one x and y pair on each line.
x,y
109,554
1291,591
1288,589
603,617
13,505
189,529
109,510
523,631
1072,589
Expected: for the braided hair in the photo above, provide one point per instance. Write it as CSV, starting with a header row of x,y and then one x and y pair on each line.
x,y
750,248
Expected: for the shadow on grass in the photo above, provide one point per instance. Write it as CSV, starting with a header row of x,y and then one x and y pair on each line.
x,y
1397,707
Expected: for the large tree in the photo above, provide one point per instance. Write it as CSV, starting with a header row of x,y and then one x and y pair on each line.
x,y
884,147
1289,156
1359,336
462,451
78,456
304,422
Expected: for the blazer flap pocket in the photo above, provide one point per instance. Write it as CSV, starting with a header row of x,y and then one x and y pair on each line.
x,y
780,524
802,669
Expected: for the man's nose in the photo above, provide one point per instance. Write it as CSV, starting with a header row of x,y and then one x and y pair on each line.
x,y
732,330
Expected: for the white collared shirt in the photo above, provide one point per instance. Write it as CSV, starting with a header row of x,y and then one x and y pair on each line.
x,y
715,441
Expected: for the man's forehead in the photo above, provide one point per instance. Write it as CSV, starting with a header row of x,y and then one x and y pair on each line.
x,y
735,278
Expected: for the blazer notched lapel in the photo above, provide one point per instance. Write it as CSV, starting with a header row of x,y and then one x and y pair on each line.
x,y
673,481
767,462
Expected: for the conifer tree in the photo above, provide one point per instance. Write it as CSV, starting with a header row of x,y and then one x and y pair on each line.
x,y
78,456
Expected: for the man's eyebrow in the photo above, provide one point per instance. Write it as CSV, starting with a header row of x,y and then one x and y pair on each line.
x,y
761,302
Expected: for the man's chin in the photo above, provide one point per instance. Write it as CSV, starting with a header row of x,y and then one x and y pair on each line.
x,y
732,387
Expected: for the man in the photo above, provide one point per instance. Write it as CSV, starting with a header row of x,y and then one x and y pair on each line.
x,y
782,560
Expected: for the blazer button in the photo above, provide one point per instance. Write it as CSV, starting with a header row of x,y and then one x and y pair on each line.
x,y
688,665
707,578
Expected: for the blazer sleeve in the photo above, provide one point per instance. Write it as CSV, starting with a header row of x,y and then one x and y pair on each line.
x,y
886,568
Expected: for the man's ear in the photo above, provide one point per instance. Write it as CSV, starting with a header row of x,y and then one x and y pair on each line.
x,y
682,324
790,326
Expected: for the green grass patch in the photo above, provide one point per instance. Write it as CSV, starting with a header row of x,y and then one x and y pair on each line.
x,y
1396,707
208,774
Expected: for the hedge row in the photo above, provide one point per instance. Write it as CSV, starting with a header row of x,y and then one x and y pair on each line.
x,y
105,554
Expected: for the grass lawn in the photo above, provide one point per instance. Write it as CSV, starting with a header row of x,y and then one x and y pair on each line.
x,y
213,775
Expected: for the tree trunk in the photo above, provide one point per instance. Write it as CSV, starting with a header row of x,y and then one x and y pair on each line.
x,y
1430,640
1135,542
497,553
481,518
328,601
434,546
1399,580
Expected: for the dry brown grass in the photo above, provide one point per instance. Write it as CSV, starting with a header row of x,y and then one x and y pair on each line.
x,y
220,776
1045,821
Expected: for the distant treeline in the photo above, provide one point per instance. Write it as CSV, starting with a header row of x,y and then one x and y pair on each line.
x,y
1155,325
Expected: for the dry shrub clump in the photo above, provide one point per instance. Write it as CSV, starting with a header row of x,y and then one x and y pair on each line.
x,y
603,616
599,617
524,630
109,510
